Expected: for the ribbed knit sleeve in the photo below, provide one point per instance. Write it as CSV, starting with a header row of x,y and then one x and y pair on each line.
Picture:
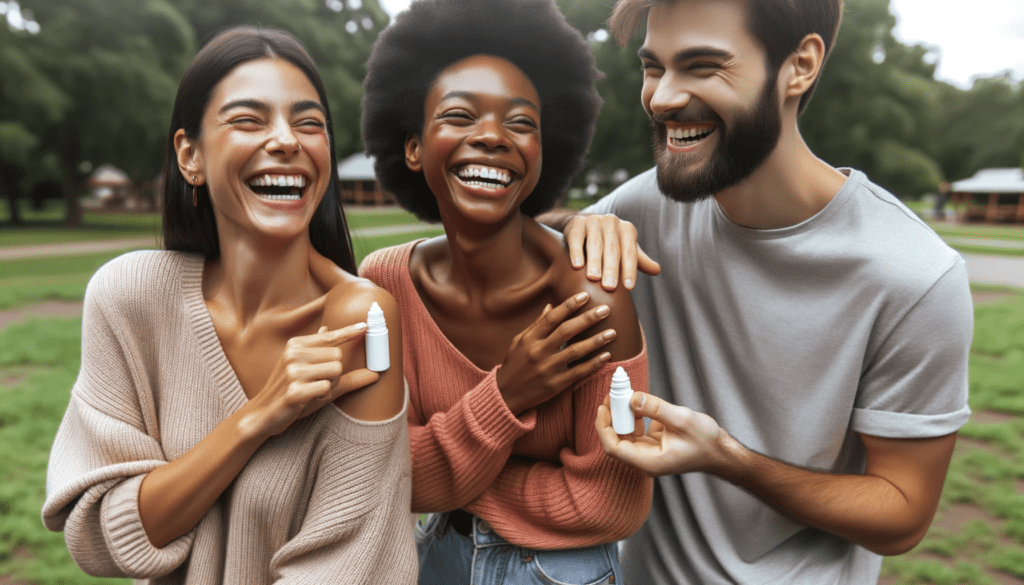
x,y
108,439
357,527
584,497
457,454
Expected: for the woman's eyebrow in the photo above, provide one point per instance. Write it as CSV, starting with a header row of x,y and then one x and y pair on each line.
x,y
519,101
246,103
304,105
262,106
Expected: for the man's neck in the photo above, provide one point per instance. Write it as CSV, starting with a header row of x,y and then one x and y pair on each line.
x,y
790,186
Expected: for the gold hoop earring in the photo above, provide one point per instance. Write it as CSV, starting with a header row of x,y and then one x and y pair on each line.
x,y
195,200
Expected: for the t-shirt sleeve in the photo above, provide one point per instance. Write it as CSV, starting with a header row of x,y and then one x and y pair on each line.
x,y
915,385
102,452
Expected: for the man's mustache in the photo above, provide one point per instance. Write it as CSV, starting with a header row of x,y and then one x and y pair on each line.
x,y
692,114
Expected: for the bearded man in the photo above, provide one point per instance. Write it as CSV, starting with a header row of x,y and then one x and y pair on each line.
x,y
808,335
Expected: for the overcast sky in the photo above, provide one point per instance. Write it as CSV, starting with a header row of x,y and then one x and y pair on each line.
x,y
975,38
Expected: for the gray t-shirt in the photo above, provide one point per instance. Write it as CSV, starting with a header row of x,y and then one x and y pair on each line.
x,y
857,320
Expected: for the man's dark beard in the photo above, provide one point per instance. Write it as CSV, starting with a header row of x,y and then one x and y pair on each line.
x,y
744,145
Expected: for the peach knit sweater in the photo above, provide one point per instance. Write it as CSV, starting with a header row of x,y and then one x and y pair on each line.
x,y
542,479
326,501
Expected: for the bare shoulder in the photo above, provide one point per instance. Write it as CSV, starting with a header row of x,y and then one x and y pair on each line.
x,y
348,302
568,281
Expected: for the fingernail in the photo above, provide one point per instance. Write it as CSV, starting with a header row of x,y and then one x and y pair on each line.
x,y
641,399
577,261
580,297
593,273
609,282
610,334
606,356
603,311
359,326
628,282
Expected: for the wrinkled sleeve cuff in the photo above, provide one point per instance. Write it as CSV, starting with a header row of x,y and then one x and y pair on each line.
x,y
899,425
127,540
488,415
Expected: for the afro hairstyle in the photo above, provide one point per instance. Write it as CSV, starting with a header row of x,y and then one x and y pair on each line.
x,y
431,35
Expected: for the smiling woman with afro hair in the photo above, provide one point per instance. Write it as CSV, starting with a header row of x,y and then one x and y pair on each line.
x,y
479,113
433,34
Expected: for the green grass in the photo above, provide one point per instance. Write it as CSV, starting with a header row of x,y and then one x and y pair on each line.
x,y
30,280
368,217
993,232
987,470
988,251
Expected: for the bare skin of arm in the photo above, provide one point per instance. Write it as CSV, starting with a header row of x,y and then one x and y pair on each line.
x,y
887,509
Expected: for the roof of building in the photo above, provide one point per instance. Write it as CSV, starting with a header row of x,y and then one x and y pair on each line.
x,y
992,181
357,167
108,176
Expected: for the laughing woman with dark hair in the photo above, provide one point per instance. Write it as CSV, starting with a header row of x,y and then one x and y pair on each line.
x,y
222,428
479,114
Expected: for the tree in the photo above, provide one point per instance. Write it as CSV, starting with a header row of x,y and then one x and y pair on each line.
x,y
338,34
980,128
29,102
622,138
105,73
876,103
119,61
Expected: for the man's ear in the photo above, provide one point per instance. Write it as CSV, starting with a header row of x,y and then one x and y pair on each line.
x,y
413,150
189,158
804,65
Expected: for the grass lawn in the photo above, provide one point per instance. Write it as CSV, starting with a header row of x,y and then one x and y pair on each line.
x,y
977,537
991,232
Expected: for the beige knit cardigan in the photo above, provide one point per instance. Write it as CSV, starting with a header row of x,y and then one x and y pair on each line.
x,y
327,501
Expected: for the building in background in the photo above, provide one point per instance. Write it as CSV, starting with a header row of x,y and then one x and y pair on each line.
x,y
359,184
991,195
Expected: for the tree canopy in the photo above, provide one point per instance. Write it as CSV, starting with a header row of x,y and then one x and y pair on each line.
x,y
93,81
96,83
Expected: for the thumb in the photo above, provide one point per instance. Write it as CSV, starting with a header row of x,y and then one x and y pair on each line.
x,y
655,408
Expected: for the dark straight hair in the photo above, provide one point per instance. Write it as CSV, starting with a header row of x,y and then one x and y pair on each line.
x,y
194,229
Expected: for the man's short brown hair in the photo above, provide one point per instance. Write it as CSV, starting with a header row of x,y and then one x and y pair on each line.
x,y
779,25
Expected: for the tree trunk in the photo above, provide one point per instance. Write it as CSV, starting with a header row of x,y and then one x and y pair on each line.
x,y
70,148
9,184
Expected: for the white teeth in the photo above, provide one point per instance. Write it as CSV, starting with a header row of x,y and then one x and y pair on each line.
x,y
278,181
689,133
492,174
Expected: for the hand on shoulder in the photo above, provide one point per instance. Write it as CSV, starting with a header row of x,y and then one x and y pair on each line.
x,y
622,317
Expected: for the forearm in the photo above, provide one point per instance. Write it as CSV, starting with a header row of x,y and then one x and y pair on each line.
x,y
459,452
582,497
867,509
543,504
173,498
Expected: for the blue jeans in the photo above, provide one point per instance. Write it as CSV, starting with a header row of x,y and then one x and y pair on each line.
x,y
450,558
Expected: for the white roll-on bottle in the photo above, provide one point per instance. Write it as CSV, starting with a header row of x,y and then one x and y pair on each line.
x,y
378,354
622,415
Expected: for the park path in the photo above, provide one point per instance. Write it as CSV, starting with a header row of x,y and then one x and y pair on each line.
x,y
72,248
